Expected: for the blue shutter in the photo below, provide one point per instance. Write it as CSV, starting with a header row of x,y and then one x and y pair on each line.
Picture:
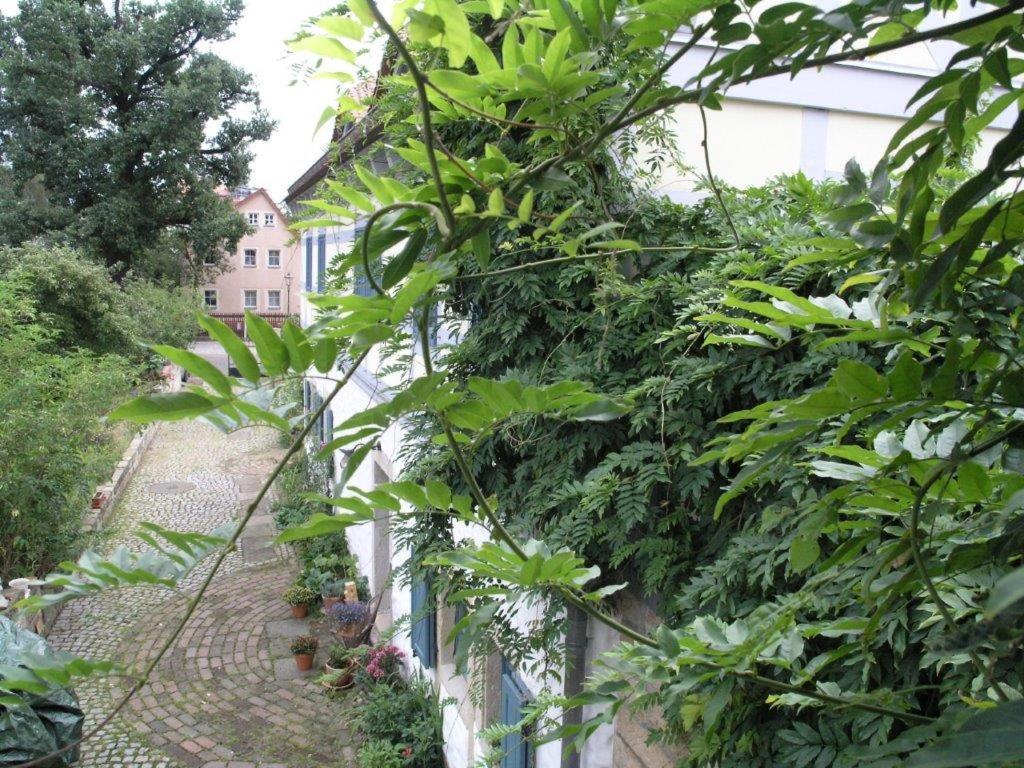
x,y
309,263
424,628
321,262
516,751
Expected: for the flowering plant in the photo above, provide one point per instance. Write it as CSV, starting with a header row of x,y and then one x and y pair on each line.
x,y
347,614
383,662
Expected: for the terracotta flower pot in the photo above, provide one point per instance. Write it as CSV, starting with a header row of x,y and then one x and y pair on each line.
x,y
329,601
345,680
304,661
300,611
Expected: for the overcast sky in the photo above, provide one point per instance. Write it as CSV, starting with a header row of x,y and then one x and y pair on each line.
x,y
258,47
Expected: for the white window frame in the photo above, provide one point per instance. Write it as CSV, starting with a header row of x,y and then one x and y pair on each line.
x,y
216,299
256,299
269,220
254,218
273,251
270,305
255,258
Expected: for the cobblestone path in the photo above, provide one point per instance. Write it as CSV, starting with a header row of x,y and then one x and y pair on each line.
x,y
227,695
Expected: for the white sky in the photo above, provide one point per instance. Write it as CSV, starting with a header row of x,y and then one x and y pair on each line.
x,y
258,47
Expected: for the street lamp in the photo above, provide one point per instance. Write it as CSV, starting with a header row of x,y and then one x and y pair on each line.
x,y
288,291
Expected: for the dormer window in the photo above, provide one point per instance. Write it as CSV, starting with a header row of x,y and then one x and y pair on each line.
x,y
269,220
254,219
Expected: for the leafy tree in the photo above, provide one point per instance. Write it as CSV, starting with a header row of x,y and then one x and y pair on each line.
x,y
105,126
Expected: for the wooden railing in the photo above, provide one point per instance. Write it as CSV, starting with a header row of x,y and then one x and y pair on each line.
x,y
236,320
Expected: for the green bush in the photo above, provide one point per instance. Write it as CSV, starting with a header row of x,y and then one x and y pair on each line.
x,y
381,754
324,558
54,448
83,308
404,714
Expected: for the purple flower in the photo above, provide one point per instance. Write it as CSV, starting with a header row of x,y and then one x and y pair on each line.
x,y
348,613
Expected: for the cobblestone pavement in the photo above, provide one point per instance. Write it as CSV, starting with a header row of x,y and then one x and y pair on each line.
x,y
227,695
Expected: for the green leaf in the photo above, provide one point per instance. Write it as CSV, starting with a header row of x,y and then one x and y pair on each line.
x,y
171,406
906,377
973,481
402,264
325,352
991,737
1008,591
272,351
803,553
1012,388
495,202
320,524
328,47
526,206
860,381
300,354
481,243
197,366
234,346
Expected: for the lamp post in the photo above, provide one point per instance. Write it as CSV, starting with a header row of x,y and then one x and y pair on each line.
x,y
288,291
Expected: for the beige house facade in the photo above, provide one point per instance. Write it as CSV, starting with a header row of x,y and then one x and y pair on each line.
x,y
262,274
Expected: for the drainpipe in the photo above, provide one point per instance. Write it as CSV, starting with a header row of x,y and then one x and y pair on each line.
x,y
575,673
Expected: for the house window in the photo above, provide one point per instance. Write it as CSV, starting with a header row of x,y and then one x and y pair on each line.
x,y
274,259
517,751
269,220
274,300
254,219
209,260
249,298
249,257
424,628
210,299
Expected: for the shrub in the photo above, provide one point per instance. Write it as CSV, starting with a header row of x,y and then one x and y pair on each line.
x,y
382,754
404,714
384,663
54,448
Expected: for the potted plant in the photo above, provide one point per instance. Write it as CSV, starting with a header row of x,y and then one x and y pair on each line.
x,y
299,598
341,666
348,618
304,649
333,592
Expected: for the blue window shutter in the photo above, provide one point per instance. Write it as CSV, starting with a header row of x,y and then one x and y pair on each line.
x,y
321,262
424,628
309,263
516,751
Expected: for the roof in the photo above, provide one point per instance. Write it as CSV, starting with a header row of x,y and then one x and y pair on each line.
x,y
241,195
349,139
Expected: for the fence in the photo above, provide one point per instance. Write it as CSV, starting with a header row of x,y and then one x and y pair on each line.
x,y
236,320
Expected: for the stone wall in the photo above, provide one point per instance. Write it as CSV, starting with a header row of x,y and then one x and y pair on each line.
x,y
630,748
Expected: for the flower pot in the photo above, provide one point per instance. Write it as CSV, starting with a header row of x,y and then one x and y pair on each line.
x,y
300,611
344,681
304,661
329,601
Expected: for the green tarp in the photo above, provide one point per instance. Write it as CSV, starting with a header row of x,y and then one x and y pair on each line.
x,y
47,721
